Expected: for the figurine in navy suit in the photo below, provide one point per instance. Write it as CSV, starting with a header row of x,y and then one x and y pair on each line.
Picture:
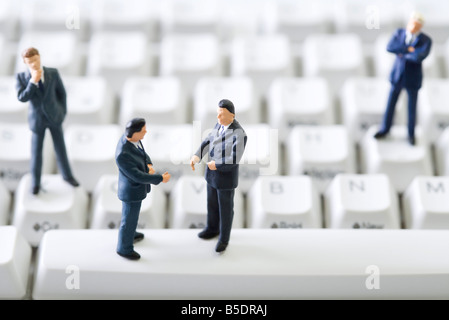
x,y
136,174
43,88
224,147
411,47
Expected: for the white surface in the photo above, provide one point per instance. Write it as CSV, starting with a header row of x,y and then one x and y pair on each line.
x,y
258,264
5,203
11,109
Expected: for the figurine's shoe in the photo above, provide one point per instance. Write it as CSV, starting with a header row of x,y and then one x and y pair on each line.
x,y
72,181
206,234
411,140
221,246
138,237
131,256
380,135
35,190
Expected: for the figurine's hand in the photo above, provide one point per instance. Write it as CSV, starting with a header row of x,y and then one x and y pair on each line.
x,y
211,165
411,49
151,169
165,177
36,75
194,160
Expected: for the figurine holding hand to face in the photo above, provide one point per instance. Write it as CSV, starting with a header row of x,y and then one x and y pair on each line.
x,y
43,88
136,174
224,147
411,47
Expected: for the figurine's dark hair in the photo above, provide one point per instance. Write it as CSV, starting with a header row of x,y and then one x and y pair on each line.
x,y
30,52
134,125
227,104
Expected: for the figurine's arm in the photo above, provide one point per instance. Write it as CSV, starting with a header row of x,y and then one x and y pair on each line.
x,y
238,147
129,169
419,53
200,153
25,91
396,45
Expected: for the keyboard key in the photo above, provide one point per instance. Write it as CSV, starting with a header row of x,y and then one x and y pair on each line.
x,y
363,104
299,101
91,151
158,99
11,109
107,207
190,57
433,116
261,157
335,57
57,206
188,204
240,90
58,49
5,203
189,16
170,148
119,55
332,265
426,204
442,153
15,260
16,138
9,12
361,201
3,66
254,57
273,203
395,157
89,101
320,152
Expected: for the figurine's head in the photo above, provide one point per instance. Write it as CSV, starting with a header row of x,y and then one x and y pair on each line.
x,y
415,22
32,58
136,129
225,112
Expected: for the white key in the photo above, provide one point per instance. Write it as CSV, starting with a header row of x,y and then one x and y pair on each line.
x,y
57,206
367,20
189,16
261,156
383,60
9,12
91,151
158,99
433,115
190,57
255,57
107,207
442,153
284,202
170,148
119,55
426,204
297,19
58,49
125,15
188,204
240,18
16,138
15,259
11,109
395,157
361,201
89,101
363,104
320,152
4,66
335,57
5,203
258,264
299,101
240,90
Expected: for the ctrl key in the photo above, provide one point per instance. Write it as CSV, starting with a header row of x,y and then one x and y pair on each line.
x,y
15,258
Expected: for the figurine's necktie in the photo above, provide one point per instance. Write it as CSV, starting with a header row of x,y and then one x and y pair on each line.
x,y
41,85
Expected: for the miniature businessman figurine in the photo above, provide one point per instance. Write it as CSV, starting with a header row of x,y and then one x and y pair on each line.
x,y
136,174
411,47
43,88
224,146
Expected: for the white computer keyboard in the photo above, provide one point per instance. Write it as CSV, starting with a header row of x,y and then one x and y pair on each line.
x,y
322,210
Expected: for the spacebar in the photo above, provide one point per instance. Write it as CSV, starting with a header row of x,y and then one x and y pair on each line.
x,y
258,264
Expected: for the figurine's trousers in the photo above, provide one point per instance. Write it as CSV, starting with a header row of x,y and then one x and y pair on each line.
x,y
37,143
220,211
391,105
128,226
